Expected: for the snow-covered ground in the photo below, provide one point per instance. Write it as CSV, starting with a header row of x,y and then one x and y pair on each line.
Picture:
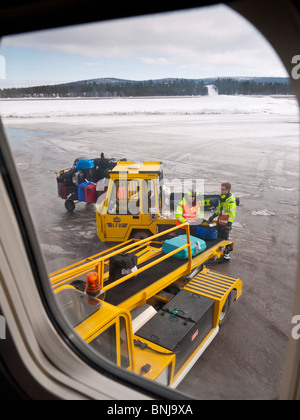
x,y
253,142
215,104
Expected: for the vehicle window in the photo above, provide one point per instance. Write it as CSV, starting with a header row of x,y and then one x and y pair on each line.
x,y
105,344
124,352
201,92
124,198
149,195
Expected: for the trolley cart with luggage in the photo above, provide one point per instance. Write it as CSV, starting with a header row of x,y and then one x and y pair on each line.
x,y
78,184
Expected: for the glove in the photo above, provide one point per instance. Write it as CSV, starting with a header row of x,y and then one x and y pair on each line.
x,y
212,217
228,227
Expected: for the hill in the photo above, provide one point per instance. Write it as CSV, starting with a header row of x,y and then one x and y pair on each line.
x,y
112,87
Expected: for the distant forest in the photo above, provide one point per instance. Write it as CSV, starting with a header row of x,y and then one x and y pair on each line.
x,y
163,87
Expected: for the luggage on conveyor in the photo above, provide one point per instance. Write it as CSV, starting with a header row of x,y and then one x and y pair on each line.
x,y
206,232
197,246
122,264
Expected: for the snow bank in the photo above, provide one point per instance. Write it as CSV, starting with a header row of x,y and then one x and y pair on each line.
x,y
219,104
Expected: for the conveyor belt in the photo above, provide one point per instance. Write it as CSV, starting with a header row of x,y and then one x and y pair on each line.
x,y
125,290
134,285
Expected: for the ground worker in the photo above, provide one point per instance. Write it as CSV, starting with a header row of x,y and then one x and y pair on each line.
x,y
189,210
226,214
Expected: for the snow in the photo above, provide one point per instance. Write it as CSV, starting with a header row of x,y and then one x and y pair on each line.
x,y
251,141
264,212
208,105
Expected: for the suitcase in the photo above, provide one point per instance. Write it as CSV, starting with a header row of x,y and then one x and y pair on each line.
x,y
81,190
121,264
66,177
206,232
90,193
59,188
73,193
64,191
197,246
91,175
78,177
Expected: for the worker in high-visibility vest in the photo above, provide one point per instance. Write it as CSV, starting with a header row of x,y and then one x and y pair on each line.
x,y
226,214
189,210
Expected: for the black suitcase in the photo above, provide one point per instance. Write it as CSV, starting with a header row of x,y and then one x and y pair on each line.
x,y
120,265
73,193
66,178
78,177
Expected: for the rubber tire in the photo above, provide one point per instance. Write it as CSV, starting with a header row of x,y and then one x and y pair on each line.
x,y
140,234
69,205
225,310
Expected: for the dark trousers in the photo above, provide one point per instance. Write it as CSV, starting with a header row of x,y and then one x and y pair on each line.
x,y
223,232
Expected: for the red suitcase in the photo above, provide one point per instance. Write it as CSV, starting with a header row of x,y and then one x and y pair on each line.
x,y
64,191
90,193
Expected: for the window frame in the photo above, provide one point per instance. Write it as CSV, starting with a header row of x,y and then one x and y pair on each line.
x,y
22,265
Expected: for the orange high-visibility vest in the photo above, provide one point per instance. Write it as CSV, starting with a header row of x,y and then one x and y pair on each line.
x,y
223,219
188,213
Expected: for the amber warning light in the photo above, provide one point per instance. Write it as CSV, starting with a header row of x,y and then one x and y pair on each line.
x,y
93,287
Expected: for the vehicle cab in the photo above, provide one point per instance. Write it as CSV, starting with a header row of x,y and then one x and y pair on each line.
x,y
132,204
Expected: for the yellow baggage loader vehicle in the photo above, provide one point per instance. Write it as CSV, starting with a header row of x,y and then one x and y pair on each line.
x,y
154,318
137,203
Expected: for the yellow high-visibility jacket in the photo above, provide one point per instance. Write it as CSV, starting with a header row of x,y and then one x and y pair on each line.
x,y
226,209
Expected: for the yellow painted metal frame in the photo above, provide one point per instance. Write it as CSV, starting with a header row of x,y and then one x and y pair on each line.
x,y
108,314
97,262
215,286
127,170
100,321
189,360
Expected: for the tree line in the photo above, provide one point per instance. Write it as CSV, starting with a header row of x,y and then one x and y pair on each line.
x,y
164,87
251,87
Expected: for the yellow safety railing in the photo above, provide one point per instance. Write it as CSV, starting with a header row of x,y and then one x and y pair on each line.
x,y
98,264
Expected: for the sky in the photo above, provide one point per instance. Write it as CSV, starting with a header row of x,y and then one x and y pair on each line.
x,y
208,42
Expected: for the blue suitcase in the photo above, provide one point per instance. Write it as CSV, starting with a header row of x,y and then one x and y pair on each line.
x,y
81,190
205,232
197,246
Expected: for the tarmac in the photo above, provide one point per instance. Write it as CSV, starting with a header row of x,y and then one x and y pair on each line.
x,y
258,154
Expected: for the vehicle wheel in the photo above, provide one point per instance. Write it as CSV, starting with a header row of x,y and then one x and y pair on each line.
x,y
141,234
225,311
69,205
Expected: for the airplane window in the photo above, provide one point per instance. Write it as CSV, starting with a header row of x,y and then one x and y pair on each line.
x,y
195,95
